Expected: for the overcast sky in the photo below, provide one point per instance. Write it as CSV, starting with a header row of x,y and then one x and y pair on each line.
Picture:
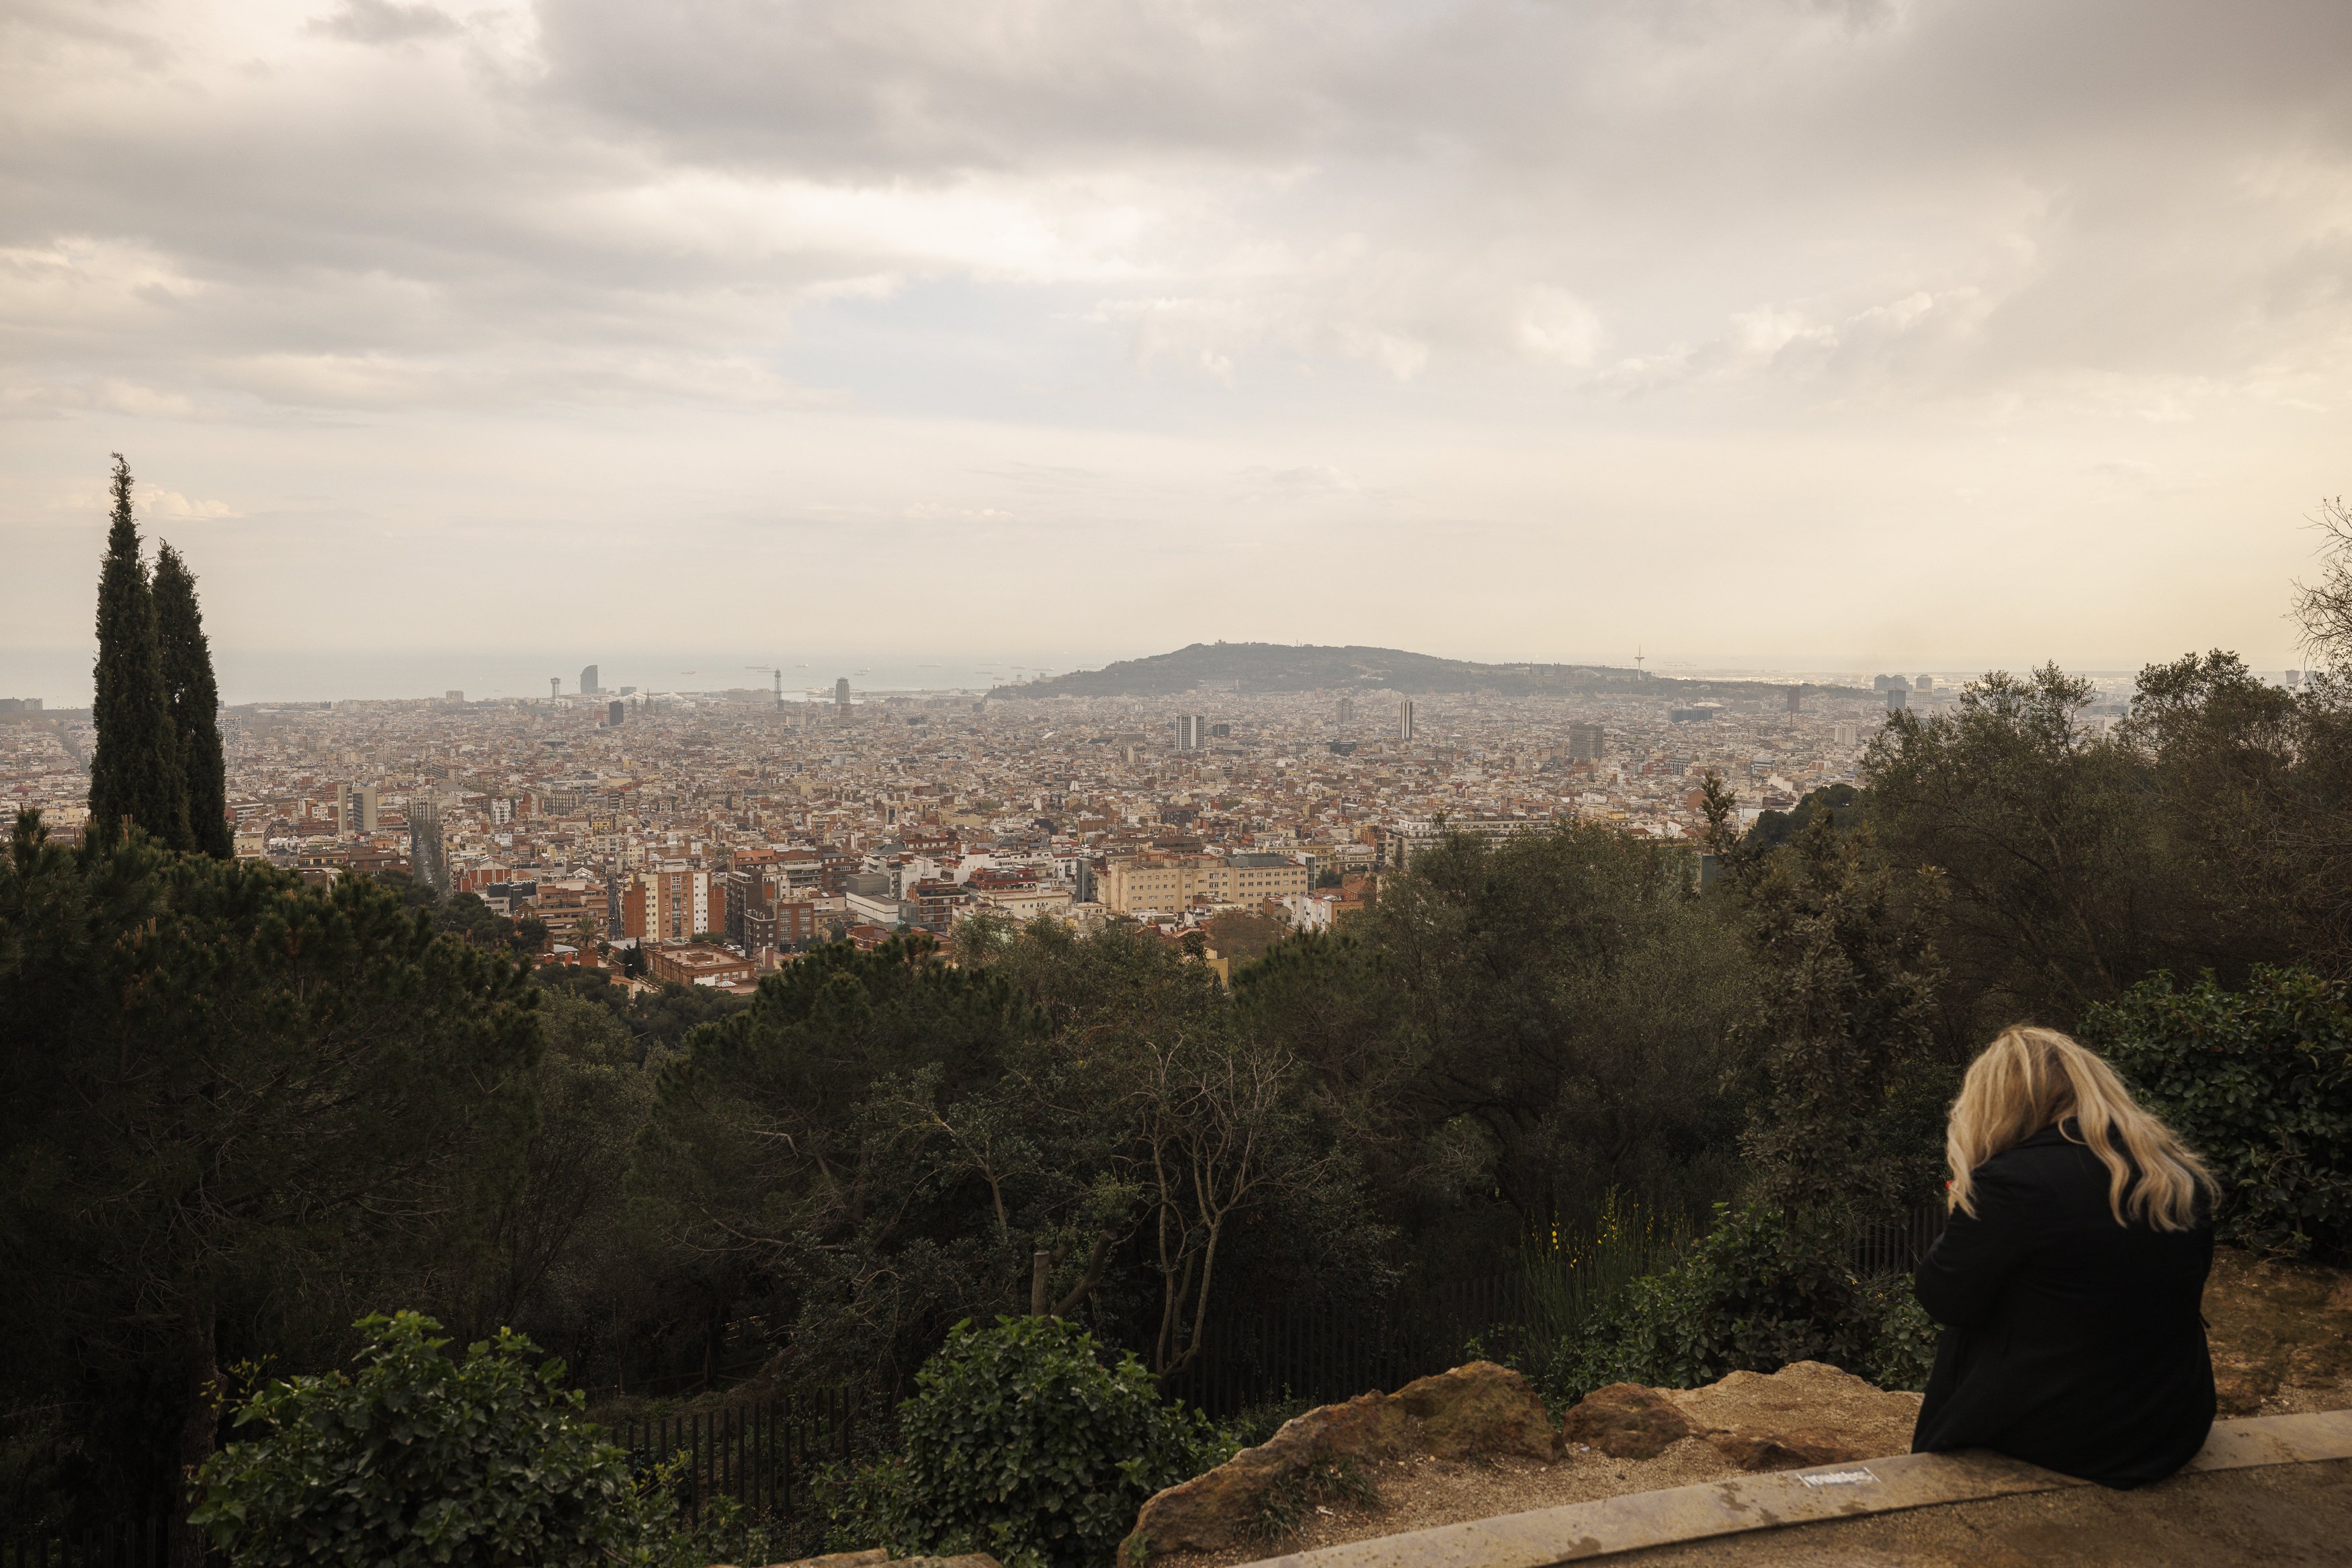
x,y
1916,333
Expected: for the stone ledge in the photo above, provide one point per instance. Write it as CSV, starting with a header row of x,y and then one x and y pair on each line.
x,y
1582,1531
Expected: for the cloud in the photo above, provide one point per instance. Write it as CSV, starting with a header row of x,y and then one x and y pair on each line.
x,y
1537,268
384,21
172,503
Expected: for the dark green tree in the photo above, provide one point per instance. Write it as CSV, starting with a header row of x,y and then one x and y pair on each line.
x,y
2050,841
1565,998
135,772
1842,1037
238,1107
195,703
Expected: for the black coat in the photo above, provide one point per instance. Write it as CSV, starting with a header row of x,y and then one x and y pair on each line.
x,y
2072,1342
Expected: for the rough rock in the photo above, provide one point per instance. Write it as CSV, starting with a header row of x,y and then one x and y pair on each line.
x,y
1807,1408
1791,1448
874,1556
1478,1410
1625,1421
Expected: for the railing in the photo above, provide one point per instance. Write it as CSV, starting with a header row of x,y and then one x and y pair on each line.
x,y
130,1542
1323,1353
1895,1246
760,1455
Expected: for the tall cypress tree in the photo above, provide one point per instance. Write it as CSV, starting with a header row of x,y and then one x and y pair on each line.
x,y
135,771
195,703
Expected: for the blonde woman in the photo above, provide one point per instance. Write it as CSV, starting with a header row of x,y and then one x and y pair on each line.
x,y
2070,1274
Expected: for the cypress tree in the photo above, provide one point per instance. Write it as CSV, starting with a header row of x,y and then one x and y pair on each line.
x,y
135,771
195,703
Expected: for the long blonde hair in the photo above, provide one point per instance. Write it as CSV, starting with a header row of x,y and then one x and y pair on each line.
x,y
2029,1079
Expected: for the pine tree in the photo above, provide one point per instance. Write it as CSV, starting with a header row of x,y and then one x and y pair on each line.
x,y
135,773
195,703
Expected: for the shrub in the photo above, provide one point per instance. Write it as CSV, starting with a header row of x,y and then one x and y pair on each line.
x,y
415,1458
1019,1441
1904,1352
1758,1291
2259,1082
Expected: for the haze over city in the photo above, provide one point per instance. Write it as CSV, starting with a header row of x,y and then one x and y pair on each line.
x,y
1786,336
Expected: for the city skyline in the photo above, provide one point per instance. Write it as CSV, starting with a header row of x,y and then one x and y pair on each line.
x,y
1930,335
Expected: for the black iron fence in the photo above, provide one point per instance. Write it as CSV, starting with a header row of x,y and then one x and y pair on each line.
x,y
129,1542
761,1454
764,1454
1320,1353
1895,1246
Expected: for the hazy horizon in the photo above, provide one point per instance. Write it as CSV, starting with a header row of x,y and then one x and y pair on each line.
x,y
320,676
1906,328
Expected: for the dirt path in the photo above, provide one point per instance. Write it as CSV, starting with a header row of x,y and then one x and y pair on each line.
x,y
2282,1336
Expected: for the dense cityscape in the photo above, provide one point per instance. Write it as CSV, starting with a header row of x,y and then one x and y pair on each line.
x,y
717,834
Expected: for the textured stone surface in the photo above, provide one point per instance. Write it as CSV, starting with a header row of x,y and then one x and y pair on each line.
x,y
1789,1449
1625,1421
1804,1397
1478,1410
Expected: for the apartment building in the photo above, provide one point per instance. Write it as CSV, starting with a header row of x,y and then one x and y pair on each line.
x,y
672,904
1171,882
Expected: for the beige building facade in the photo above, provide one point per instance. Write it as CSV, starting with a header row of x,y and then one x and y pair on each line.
x,y
1172,883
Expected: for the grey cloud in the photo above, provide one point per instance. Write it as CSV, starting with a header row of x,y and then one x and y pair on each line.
x,y
384,21
1617,191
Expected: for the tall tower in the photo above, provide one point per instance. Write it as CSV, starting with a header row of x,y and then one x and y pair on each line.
x,y
841,697
554,687
589,685
1347,710
1404,719
1191,732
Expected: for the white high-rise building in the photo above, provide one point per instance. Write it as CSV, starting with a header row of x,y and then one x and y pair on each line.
x,y
1404,719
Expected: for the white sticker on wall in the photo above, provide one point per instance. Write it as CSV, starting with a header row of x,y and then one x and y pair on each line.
x,y
1853,1478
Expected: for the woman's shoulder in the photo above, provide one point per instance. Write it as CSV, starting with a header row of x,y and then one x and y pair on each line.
x,y
2048,1155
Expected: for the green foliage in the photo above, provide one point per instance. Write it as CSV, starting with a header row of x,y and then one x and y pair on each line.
x,y
2211,830
2256,813
235,1102
135,772
1338,1478
1020,1442
194,697
1843,803
1253,1424
1761,1291
1570,996
2259,1082
1842,1036
415,1459
1905,1350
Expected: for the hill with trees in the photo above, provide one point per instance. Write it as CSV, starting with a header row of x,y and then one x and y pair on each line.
x,y
1307,667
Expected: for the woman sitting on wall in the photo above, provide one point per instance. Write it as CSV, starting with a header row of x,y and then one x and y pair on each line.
x,y
2071,1273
